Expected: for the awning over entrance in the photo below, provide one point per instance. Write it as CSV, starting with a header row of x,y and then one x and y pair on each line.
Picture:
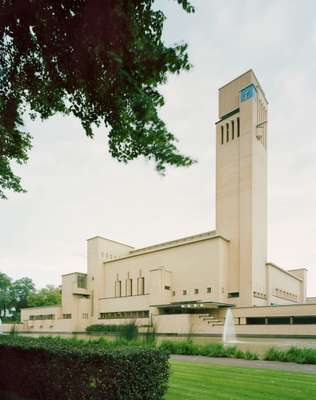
x,y
194,306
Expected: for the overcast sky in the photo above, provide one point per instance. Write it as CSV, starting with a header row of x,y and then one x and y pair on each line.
x,y
76,191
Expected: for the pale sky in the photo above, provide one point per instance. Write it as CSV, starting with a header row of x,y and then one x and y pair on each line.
x,y
76,191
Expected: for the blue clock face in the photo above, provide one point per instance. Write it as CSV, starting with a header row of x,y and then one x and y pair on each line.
x,y
247,93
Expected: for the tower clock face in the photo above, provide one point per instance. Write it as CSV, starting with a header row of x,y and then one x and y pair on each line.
x,y
247,93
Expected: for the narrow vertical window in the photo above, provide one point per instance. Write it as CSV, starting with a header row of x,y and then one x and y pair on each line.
x,y
128,288
118,289
227,132
222,132
233,130
141,286
238,127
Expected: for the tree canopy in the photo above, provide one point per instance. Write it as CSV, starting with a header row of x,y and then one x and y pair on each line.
x,y
5,284
21,293
14,294
100,61
47,296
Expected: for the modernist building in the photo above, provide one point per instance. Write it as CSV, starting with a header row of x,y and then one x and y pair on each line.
x,y
185,286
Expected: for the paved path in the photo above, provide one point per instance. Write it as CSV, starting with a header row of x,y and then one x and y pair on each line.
x,y
282,366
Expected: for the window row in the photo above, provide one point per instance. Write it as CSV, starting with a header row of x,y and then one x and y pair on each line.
x,y
48,317
285,294
124,314
230,130
195,291
259,295
140,287
41,317
299,320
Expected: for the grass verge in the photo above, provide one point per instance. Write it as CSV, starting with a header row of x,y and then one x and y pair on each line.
x,y
191,381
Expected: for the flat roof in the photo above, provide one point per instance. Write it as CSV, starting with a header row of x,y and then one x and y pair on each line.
x,y
176,241
74,273
167,245
284,271
52,305
110,240
278,306
244,73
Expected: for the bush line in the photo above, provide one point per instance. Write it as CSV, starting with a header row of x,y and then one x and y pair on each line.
x,y
293,354
129,331
66,369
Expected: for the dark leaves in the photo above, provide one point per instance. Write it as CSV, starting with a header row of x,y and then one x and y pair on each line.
x,y
101,61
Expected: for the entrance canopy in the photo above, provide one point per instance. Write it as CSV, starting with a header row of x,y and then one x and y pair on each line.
x,y
190,307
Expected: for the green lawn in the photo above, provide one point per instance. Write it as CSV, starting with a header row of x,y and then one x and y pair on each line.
x,y
190,381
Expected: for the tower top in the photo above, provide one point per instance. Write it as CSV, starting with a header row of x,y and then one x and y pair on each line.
x,y
229,93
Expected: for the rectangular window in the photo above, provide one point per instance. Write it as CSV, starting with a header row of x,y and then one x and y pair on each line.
x,y
255,321
233,130
233,294
222,132
85,316
238,127
41,317
305,319
279,320
184,292
173,293
128,287
125,314
167,287
196,291
141,286
82,281
227,132
66,316
118,288
209,290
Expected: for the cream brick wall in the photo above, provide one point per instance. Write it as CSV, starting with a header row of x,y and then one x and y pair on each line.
x,y
230,259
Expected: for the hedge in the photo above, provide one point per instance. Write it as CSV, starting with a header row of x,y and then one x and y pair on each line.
x,y
128,331
293,354
187,347
63,369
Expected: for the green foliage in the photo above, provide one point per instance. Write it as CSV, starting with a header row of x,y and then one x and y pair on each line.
x,y
20,291
182,347
294,354
13,296
127,331
5,285
13,330
47,296
63,369
149,336
187,347
100,61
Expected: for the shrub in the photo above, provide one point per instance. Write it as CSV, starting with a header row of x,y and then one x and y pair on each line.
x,y
294,354
209,350
186,347
129,331
63,369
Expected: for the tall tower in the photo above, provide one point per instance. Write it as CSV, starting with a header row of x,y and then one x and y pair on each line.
x,y
241,187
